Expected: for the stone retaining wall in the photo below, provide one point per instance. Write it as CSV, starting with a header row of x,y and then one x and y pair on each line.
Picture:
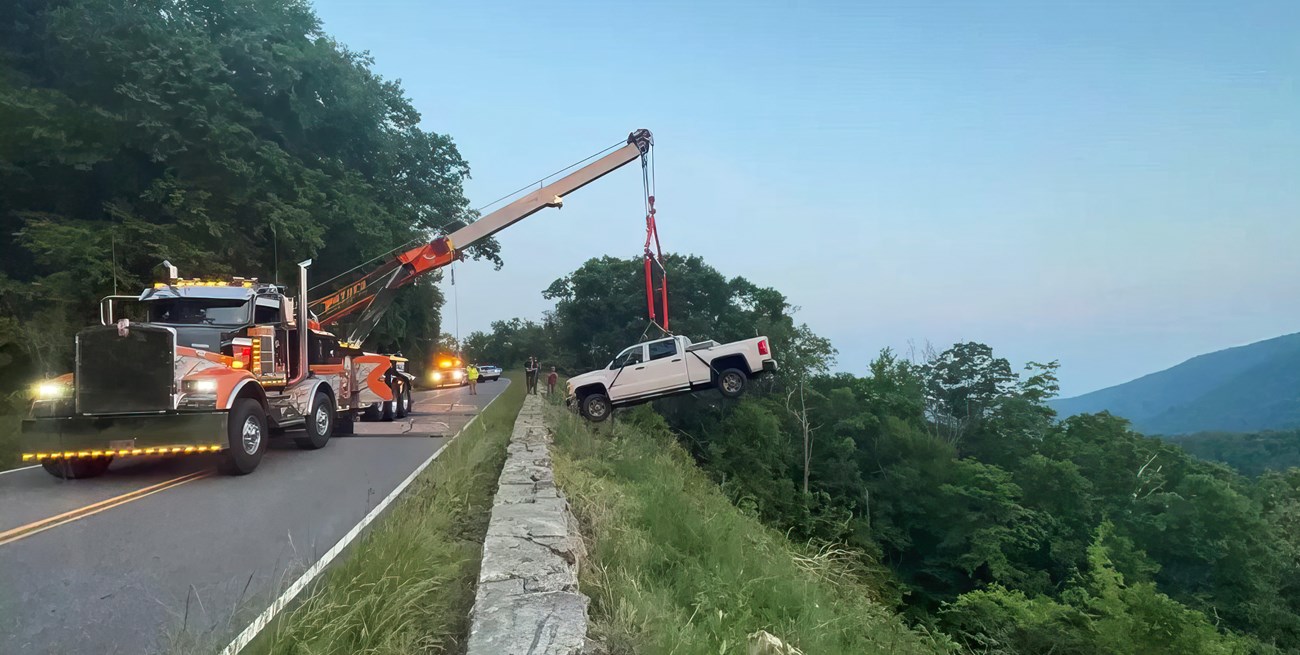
x,y
528,600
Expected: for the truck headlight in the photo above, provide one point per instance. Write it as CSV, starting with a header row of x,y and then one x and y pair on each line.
x,y
455,375
437,376
201,386
52,391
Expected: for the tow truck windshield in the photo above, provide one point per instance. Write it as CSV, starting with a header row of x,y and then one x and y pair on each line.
x,y
199,312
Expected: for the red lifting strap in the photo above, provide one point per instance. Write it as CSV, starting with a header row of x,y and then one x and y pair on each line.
x,y
656,257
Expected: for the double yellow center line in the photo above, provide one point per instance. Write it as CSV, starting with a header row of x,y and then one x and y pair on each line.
x,y
36,527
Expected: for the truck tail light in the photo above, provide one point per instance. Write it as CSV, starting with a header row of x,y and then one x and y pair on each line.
x,y
762,347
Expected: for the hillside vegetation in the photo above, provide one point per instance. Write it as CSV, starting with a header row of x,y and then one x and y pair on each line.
x,y
1244,389
674,567
1251,453
967,504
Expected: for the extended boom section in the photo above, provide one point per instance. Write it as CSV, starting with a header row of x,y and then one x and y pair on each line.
x,y
373,292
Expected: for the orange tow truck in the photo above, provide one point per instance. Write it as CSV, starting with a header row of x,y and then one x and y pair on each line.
x,y
220,365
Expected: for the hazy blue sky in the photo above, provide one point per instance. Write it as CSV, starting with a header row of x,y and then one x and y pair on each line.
x,y
1113,185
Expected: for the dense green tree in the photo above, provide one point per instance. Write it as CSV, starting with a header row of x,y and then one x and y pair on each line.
x,y
227,137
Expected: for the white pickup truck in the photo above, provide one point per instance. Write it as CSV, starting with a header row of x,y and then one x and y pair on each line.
x,y
668,366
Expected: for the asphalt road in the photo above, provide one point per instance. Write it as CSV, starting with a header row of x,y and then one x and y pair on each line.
x,y
168,555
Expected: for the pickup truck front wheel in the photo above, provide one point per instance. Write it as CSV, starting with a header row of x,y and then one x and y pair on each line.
x,y
596,407
731,382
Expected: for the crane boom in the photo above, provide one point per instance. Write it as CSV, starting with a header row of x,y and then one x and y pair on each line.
x,y
373,292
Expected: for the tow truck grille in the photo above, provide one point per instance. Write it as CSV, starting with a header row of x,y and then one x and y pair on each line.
x,y
122,374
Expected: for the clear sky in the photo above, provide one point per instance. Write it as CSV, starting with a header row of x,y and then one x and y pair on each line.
x,y
1112,184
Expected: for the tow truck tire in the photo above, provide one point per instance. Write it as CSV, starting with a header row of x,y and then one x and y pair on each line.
x,y
404,402
76,469
320,423
732,382
388,408
246,437
371,414
596,407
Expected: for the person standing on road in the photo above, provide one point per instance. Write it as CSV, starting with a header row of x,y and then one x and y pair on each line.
x,y
530,371
550,382
471,374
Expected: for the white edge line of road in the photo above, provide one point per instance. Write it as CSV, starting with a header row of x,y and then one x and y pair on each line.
x,y
36,466
264,619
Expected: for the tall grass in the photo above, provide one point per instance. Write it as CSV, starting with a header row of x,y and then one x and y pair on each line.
x,y
408,585
674,567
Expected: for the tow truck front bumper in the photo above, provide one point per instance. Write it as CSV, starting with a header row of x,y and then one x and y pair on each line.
x,y
123,435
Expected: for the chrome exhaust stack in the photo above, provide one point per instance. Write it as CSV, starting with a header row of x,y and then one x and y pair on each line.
x,y
304,330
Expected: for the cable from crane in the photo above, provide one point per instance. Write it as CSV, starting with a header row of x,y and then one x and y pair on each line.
x,y
653,260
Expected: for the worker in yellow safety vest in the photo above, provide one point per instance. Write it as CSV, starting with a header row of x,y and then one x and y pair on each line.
x,y
471,374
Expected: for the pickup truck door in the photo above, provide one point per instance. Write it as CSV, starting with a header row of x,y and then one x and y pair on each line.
x,y
664,369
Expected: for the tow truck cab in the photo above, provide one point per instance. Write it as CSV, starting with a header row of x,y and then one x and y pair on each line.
x,y
210,367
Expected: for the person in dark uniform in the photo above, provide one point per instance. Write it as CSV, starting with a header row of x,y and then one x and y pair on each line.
x,y
530,374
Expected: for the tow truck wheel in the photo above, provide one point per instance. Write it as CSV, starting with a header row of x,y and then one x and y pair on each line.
x,y
246,437
596,407
74,469
731,382
389,408
371,414
404,402
320,423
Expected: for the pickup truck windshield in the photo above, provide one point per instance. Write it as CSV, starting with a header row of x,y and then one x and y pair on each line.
x,y
199,312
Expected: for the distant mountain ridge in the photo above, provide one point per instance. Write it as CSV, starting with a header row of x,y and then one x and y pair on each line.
x,y
1243,389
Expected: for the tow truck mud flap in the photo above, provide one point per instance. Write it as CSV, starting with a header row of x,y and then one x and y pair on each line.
x,y
124,433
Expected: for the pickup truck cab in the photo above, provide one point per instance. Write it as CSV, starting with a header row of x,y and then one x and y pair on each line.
x,y
665,367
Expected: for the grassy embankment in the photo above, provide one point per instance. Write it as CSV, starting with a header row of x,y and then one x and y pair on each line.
x,y
674,567
408,585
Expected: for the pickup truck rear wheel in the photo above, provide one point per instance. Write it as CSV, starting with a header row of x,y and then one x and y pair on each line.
x,y
320,423
732,382
75,469
596,407
246,437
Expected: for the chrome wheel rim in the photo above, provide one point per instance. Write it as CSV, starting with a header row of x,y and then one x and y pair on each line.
x,y
731,383
596,409
251,435
406,403
322,420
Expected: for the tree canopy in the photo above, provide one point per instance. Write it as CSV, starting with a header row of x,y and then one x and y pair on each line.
x,y
230,137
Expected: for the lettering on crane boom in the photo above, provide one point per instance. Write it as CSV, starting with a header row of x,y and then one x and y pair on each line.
x,y
343,294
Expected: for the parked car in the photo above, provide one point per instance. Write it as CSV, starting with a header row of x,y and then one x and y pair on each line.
x,y
488,372
665,367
